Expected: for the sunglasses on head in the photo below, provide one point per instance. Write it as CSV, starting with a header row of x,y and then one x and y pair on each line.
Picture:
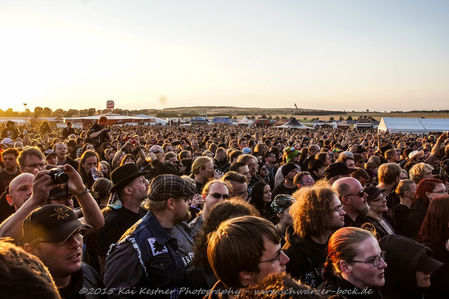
x,y
219,195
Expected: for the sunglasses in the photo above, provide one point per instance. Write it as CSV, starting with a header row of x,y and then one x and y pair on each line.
x,y
219,195
359,194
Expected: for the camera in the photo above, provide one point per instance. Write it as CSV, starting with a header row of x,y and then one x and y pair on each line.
x,y
59,176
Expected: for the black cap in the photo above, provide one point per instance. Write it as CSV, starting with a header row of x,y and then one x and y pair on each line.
x,y
50,223
373,192
334,169
288,167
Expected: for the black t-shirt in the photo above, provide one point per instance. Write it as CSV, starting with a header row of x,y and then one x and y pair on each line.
x,y
5,209
306,259
5,179
281,189
199,187
116,223
70,161
72,290
67,131
100,139
401,213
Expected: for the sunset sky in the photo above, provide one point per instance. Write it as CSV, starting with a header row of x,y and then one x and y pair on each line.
x,y
324,54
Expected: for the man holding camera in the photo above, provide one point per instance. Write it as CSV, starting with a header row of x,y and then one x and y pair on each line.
x,y
43,183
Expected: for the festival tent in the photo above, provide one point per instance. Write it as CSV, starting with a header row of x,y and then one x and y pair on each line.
x,y
245,122
293,123
413,125
85,121
200,120
152,119
222,120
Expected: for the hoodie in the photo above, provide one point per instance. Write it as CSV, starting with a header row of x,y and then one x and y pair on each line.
x,y
306,258
402,257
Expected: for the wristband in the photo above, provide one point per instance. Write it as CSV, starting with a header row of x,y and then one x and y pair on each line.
x,y
82,192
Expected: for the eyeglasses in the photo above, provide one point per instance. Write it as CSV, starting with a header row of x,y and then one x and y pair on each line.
x,y
440,192
375,261
276,258
359,194
36,165
77,235
309,181
338,209
219,195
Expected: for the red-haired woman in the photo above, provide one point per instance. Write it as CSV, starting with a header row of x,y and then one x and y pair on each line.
x,y
434,233
428,189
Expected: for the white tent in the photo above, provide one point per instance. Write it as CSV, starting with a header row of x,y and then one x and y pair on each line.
x,y
293,123
152,119
116,118
413,125
245,121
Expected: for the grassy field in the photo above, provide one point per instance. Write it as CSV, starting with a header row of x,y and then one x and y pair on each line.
x,y
305,115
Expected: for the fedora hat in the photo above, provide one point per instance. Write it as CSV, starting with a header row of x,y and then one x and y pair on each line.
x,y
124,175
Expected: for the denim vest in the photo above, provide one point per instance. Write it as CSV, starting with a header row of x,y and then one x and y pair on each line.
x,y
157,253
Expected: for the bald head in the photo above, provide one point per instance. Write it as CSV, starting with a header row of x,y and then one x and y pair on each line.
x,y
346,185
352,196
20,189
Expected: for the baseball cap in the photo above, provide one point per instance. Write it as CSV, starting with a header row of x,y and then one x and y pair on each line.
x,y
50,223
281,203
7,141
49,152
373,192
156,148
246,150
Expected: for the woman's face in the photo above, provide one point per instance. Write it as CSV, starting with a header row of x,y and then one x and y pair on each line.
x,y
379,204
90,147
267,193
263,172
361,271
422,279
129,160
104,168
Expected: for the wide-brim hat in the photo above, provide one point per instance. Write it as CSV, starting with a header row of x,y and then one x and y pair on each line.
x,y
124,175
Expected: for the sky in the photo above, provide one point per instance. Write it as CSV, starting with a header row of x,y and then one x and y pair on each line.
x,y
318,54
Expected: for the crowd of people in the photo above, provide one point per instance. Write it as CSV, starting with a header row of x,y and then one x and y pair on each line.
x,y
219,211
